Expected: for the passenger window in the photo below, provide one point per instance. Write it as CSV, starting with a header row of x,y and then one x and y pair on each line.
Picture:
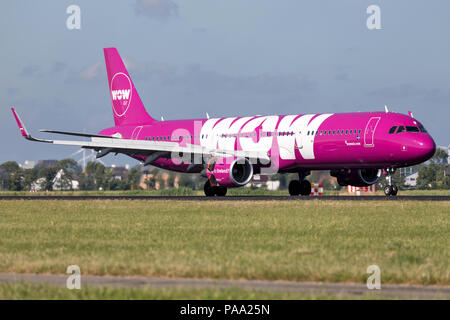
x,y
401,129
346,131
412,129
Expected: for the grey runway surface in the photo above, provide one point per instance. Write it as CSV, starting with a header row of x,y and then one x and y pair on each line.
x,y
234,198
335,289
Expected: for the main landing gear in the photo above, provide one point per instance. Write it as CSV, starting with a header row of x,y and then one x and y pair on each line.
x,y
211,191
390,189
301,186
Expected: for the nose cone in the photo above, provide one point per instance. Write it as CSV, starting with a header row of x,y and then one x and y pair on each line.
x,y
425,148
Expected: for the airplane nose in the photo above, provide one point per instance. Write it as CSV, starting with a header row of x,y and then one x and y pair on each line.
x,y
426,148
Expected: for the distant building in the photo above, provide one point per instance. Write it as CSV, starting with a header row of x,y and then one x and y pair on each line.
x,y
411,180
159,180
28,164
37,185
119,173
257,181
47,163
447,171
60,183
273,184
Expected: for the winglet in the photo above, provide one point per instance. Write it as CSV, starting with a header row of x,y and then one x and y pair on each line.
x,y
22,128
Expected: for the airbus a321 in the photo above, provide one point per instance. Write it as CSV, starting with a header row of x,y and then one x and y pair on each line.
x,y
356,147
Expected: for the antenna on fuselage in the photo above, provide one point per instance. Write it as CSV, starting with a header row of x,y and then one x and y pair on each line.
x,y
207,115
386,108
162,118
410,114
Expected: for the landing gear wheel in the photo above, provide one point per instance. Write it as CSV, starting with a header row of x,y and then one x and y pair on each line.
x,y
388,190
394,190
220,191
305,188
209,190
391,190
294,187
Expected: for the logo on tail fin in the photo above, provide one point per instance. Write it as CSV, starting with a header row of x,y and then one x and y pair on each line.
x,y
121,92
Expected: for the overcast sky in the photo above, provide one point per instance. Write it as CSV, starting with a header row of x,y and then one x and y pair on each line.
x,y
224,57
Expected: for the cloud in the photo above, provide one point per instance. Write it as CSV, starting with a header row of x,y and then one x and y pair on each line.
x,y
198,79
91,72
156,9
35,71
30,71
199,89
57,67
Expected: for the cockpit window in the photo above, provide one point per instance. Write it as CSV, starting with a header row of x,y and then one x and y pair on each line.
x,y
412,129
401,129
392,130
421,127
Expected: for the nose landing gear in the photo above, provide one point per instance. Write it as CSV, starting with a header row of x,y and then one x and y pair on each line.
x,y
301,186
390,189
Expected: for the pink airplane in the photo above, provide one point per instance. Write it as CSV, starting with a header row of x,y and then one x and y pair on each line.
x,y
355,147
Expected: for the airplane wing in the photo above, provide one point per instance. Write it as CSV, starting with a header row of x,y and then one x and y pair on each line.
x,y
152,149
78,134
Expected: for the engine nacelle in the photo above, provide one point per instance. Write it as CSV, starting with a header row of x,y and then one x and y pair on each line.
x,y
356,177
229,171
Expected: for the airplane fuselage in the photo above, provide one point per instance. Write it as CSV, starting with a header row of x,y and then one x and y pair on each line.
x,y
296,142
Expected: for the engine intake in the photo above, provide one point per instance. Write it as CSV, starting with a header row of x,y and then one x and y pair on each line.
x,y
356,177
229,171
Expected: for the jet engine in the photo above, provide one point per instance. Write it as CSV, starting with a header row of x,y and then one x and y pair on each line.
x,y
356,177
229,171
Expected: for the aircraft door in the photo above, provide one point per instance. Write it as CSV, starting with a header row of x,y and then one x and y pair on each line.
x,y
369,132
135,134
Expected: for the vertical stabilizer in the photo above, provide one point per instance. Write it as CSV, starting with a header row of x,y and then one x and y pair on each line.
x,y
126,104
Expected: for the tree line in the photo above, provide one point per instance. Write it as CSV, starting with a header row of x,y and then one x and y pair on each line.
x,y
96,176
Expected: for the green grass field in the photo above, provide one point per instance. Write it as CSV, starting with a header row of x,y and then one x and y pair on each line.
x,y
331,241
190,192
36,292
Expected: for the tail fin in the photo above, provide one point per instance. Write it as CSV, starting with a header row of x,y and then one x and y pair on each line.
x,y
127,106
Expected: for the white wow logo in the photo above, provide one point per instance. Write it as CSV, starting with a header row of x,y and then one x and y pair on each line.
x,y
121,94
